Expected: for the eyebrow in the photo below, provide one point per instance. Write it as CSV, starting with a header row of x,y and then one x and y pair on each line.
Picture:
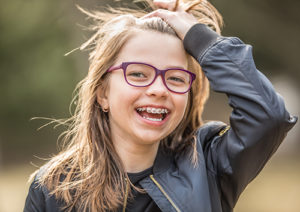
x,y
180,67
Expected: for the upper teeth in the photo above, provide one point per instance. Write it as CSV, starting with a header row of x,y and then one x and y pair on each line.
x,y
153,110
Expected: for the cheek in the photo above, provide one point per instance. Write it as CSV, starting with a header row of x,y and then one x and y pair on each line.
x,y
122,96
181,104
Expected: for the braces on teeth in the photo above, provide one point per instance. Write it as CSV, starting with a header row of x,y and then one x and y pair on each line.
x,y
153,110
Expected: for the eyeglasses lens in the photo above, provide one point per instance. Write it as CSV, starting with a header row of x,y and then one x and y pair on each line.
x,y
139,74
143,75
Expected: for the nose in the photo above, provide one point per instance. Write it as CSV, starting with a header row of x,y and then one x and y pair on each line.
x,y
157,88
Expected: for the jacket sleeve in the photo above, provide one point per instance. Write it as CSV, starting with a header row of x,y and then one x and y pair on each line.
x,y
40,200
35,199
259,120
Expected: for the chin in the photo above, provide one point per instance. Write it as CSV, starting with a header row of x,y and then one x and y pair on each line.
x,y
149,141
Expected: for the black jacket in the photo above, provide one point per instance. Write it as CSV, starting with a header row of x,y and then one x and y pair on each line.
x,y
229,158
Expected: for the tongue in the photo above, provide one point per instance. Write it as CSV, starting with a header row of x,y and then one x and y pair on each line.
x,y
150,115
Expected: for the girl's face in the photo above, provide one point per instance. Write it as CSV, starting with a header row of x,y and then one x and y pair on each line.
x,y
145,115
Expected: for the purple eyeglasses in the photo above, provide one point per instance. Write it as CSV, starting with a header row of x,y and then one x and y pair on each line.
x,y
139,74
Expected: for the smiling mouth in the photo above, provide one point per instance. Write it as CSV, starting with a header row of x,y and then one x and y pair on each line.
x,y
153,114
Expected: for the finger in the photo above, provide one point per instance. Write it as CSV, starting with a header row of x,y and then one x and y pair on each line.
x,y
149,15
180,22
165,4
171,5
161,13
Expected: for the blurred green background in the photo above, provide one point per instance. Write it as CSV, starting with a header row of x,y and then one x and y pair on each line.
x,y
38,81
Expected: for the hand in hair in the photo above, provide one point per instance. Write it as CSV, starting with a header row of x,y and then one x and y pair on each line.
x,y
176,14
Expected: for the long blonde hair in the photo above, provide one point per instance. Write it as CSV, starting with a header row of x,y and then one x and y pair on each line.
x,y
88,174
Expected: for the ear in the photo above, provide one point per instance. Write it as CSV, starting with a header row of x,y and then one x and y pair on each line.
x,y
102,98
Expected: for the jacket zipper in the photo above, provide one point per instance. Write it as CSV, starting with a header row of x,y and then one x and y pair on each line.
x,y
164,193
126,195
222,132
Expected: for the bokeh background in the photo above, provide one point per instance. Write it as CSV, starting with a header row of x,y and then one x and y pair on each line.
x,y
37,80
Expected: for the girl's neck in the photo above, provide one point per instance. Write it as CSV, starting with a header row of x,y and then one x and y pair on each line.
x,y
136,157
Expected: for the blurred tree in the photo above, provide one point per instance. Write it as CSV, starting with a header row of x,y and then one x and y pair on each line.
x,y
36,80
271,26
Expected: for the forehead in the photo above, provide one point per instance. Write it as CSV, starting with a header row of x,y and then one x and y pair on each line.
x,y
156,48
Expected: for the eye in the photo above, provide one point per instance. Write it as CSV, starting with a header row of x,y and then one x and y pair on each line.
x,y
136,74
176,79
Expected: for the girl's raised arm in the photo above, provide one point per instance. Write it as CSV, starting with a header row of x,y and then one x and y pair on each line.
x,y
259,120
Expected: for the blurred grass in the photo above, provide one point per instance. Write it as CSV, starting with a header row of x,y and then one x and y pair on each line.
x,y
14,187
276,189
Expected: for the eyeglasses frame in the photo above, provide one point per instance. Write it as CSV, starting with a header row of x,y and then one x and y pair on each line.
x,y
158,72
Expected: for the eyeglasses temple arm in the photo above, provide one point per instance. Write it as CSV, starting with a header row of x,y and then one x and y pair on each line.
x,y
114,68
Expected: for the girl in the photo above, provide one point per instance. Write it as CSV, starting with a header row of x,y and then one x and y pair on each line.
x,y
137,141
